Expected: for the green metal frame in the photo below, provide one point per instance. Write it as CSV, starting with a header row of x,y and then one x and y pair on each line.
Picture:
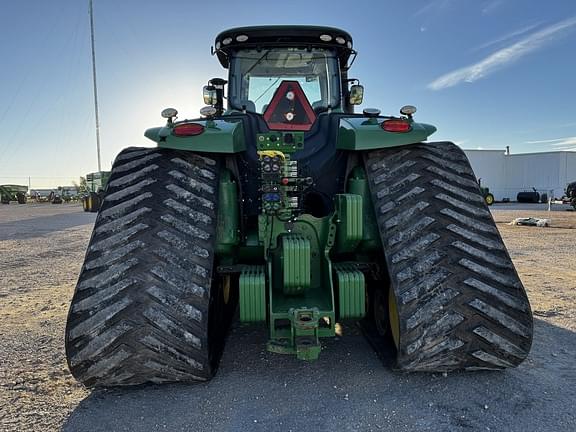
x,y
350,219
302,283
228,227
358,185
219,136
301,313
226,135
358,133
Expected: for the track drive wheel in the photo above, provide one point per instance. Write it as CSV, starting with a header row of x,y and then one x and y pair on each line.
x,y
144,305
458,299
85,204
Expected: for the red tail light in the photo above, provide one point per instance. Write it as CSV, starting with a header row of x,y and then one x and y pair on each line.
x,y
188,129
396,125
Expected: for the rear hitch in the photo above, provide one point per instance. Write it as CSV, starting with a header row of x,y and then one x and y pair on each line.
x,y
303,339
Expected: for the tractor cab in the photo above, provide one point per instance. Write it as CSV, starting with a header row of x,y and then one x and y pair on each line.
x,y
287,74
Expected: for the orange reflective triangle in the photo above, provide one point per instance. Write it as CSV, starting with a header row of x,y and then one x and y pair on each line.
x,y
289,109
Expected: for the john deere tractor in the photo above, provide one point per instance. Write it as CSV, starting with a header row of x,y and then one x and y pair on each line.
x,y
286,208
10,193
485,191
94,193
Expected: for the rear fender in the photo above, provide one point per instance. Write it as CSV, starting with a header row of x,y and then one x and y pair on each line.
x,y
360,133
219,136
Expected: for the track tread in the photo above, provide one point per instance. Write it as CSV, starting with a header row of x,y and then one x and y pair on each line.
x,y
140,310
461,304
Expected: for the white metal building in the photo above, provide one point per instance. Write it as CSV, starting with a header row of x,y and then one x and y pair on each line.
x,y
507,174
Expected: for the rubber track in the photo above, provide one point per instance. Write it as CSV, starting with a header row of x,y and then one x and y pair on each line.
x,y
461,303
140,310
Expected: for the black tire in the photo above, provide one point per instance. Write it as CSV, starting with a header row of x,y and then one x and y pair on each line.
x,y
85,204
544,198
95,202
141,309
571,190
460,302
21,198
489,199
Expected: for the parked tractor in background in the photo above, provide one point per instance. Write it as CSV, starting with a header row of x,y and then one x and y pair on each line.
x,y
94,194
10,193
302,214
488,197
69,193
571,194
485,191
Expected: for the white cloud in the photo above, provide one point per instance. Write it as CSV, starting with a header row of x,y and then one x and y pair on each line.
x,y
433,7
566,143
507,36
491,6
503,57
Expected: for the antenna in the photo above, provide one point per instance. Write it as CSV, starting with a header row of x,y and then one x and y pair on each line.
x,y
95,88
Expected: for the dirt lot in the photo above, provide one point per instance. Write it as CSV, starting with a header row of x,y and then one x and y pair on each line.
x,y
41,251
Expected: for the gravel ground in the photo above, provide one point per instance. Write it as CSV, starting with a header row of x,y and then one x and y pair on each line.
x,y
347,389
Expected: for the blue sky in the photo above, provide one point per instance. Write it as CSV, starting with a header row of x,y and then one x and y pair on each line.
x,y
487,73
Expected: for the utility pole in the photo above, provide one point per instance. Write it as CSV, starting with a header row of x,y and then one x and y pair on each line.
x,y
95,88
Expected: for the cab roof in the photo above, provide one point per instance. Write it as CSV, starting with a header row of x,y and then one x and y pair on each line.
x,y
273,36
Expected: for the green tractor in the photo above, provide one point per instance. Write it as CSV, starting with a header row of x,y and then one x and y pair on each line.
x,y
288,209
485,192
10,193
94,194
488,197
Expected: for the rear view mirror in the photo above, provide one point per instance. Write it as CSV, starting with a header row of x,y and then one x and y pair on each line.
x,y
356,95
210,95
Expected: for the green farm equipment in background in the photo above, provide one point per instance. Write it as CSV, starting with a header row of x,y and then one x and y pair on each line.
x,y
486,194
488,197
571,194
94,194
10,193
302,214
